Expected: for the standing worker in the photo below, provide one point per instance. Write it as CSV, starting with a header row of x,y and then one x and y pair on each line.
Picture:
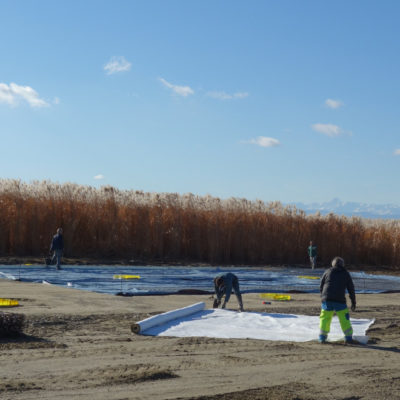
x,y
57,246
333,287
312,252
223,284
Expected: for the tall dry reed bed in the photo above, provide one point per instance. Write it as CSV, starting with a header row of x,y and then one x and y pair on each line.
x,y
110,223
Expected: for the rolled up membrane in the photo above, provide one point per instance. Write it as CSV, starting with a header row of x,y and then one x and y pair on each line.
x,y
160,319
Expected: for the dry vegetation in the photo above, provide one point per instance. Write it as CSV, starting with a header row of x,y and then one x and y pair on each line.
x,y
109,223
11,324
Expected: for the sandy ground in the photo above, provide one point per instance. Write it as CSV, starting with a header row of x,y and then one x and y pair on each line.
x,y
78,345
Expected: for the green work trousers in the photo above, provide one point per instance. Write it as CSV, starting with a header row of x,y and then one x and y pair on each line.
x,y
325,320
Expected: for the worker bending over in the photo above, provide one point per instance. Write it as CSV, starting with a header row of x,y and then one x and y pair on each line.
x,y
223,285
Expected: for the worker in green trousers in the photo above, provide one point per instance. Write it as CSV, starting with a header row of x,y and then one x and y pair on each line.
x,y
333,287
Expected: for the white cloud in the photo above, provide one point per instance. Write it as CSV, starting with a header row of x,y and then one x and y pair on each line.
x,y
98,177
117,64
330,103
13,94
227,96
264,141
327,129
181,90
397,152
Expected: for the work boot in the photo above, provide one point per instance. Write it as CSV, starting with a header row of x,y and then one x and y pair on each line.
x,y
348,340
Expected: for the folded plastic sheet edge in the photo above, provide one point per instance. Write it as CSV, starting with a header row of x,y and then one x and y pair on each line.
x,y
141,326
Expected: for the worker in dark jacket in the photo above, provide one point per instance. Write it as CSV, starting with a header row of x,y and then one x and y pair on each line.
x,y
223,285
333,287
57,247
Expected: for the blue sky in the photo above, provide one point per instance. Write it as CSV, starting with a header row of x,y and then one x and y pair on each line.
x,y
295,101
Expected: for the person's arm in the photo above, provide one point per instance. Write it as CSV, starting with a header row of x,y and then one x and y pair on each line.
x,y
322,283
51,245
218,292
352,293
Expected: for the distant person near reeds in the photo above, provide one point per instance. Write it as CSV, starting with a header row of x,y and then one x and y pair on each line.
x,y
312,253
57,247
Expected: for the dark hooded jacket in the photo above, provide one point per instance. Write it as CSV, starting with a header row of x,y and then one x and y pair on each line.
x,y
57,243
334,283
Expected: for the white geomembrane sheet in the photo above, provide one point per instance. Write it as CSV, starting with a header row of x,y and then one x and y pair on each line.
x,y
195,320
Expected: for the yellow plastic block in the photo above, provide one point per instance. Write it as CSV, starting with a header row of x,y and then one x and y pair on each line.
x,y
308,277
8,303
126,277
275,296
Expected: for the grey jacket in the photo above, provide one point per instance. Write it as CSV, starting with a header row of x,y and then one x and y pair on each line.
x,y
334,283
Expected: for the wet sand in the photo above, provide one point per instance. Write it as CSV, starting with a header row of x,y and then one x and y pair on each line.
x,y
78,345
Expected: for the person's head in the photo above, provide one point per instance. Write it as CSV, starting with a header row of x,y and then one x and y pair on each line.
x,y
59,231
310,242
338,262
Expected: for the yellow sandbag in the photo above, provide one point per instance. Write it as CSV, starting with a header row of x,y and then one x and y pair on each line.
x,y
8,303
126,277
275,296
308,277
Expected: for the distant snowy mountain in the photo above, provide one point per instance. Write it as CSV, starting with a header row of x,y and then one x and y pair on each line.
x,y
336,206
